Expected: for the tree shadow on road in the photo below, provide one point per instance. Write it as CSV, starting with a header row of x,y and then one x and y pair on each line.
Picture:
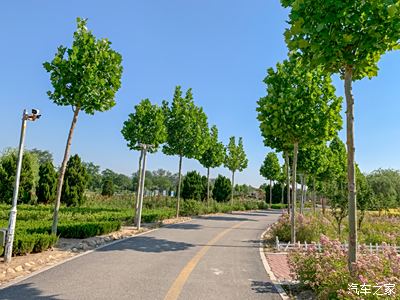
x,y
186,226
224,218
147,244
25,291
263,287
261,213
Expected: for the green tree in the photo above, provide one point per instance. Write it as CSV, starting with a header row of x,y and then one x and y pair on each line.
x,y
235,159
270,170
222,189
108,188
86,78
348,38
187,131
28,178
146,126
46,190
94,176
43,156
300,108
74,182
213,157
385,185
192,186
364,195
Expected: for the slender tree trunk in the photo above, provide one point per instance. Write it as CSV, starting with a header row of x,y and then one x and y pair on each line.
x,y
62,171
270,193
323,205
138,189
294,168
302,193
143,179
233,185
314,196
208,186
287,180
351,179
179,186
305,190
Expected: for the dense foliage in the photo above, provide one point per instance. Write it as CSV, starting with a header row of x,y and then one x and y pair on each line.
x,y
222,189
74,182
46,189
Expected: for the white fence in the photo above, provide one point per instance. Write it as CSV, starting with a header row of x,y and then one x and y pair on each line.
x,y
284,247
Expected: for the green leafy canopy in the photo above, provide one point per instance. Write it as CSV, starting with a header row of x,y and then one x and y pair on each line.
x,y
86,76
187,127
215,154
271,169
339,34
146,126
235,159
300,105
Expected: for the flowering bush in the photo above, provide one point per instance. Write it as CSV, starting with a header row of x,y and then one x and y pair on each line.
x,y
308,228
326,272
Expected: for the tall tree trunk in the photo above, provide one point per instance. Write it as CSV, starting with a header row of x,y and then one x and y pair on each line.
x,y
287,180
301,193
233,185
179,186
305,191
142,189
294,168
138,189
62,171
314,196
270,193
351,179
208,186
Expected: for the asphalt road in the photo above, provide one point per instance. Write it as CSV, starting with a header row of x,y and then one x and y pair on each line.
x,y
211,257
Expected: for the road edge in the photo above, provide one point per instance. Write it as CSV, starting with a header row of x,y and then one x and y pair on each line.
x,y
22,278
268,269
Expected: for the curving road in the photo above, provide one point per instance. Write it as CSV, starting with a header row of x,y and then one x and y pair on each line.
x,y
210,257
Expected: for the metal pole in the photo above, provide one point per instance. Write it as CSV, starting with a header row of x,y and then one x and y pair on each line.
x,y
139,215
13,212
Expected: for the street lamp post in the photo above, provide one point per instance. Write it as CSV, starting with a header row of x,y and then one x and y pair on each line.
x,y
13,213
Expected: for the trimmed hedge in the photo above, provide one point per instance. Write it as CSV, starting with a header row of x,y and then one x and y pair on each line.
x,y
80,230
28,243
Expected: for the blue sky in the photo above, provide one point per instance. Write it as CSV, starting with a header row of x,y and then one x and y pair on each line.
x,y
221,49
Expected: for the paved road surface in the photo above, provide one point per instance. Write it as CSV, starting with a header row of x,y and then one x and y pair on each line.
x,y
211,257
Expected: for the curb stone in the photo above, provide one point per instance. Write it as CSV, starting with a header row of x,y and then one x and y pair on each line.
x,y
271,275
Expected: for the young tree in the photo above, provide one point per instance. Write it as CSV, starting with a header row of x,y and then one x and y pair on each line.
x,y
74,182
28,178
300,108
345,37
187,131
46,189
235,159
270,170
213,157
108,188
85,77
146,126
222,189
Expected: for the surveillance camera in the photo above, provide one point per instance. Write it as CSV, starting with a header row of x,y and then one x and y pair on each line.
x,y
35,111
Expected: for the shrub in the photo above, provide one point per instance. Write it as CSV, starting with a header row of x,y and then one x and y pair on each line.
x,y
74,182
192,186
88,229
46,189
192,208
222,189
108,188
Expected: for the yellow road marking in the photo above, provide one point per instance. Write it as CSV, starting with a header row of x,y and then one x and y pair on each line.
x,y
183,276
